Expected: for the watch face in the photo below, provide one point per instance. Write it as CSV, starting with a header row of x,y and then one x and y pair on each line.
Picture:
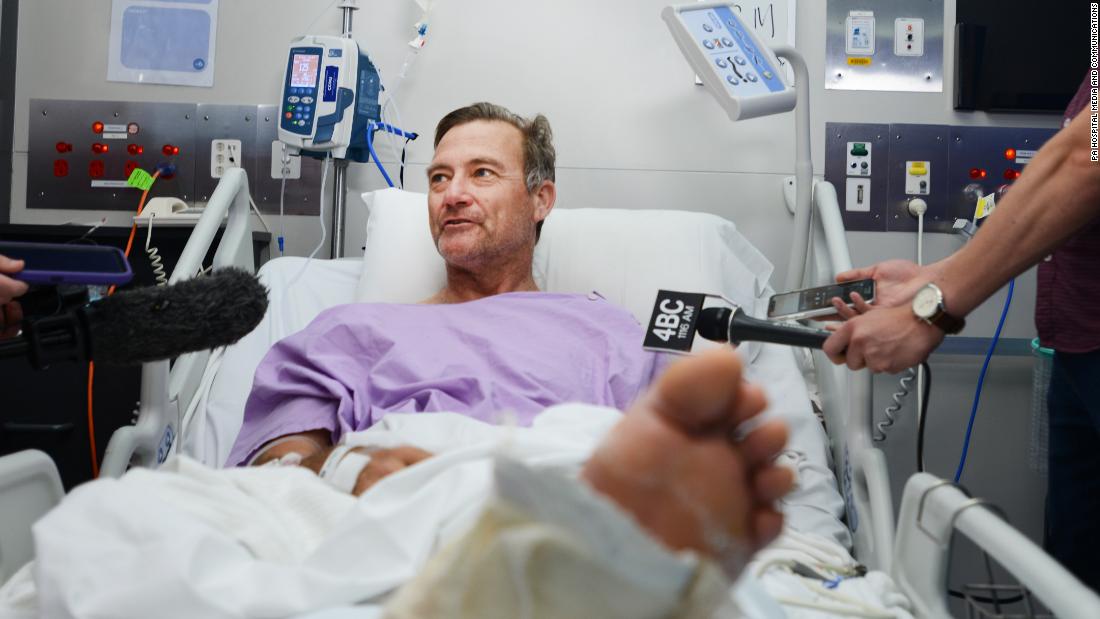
x,y
926,302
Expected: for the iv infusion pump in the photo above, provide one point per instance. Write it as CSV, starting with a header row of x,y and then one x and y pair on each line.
x,y
330,95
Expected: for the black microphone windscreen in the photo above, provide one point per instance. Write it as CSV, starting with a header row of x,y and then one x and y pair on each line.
x,y
714,323
147,324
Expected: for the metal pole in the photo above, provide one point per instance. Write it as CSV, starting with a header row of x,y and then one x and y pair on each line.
x,y
339,204
340,166
349,9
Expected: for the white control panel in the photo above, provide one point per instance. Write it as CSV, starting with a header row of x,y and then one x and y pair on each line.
x,y
733,63
858,159
918,178
859,31
908,36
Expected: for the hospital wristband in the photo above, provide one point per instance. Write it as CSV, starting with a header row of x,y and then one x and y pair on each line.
x,y
342,467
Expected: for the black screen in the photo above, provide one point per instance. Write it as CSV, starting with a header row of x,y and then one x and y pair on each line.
x,y
1020,55
69,259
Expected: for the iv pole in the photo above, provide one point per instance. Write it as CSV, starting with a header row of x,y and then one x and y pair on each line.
x,y
340,166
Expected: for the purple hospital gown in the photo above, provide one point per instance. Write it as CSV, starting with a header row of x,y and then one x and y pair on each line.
x,y
504,357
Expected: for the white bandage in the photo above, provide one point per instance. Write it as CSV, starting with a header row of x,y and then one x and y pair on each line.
x,y
342,467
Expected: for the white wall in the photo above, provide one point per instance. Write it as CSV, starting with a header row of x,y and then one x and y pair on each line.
x,y
631,131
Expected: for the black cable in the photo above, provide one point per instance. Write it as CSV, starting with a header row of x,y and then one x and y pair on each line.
x,y
992,582
401,173
985,600
923,421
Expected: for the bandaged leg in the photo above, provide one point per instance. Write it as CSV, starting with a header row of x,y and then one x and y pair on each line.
x,y
547,547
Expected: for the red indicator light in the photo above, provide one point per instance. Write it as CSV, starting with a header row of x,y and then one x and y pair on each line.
x,y
100,149
170,150
134,149
175,150
64,147
1010,154
1011,175
977,173
95,169
60,168
97,127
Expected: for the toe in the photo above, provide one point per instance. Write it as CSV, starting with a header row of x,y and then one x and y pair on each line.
x,y
764,443
699,392
772,483
768,525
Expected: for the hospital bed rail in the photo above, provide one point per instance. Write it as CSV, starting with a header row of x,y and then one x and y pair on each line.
x,y
932,509
861,469
163,386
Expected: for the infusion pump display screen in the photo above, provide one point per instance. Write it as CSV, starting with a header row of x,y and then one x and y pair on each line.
x,y
303,73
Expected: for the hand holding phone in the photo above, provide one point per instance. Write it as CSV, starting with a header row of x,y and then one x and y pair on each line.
x,y
52,264
10,288
814,302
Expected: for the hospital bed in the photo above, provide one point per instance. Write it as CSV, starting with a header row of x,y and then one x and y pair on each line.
x,y
195,406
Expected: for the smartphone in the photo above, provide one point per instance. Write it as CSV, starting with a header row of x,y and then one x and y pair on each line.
x,y
811,302
55,263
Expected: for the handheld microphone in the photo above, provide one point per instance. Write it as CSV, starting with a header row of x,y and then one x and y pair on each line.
x,y
723,324
148,324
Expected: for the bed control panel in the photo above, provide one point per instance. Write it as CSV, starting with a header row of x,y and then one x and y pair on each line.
x,y
733,63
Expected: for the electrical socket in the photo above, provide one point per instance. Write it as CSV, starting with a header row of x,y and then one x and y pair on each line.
x,y
221,151
293,162
857,195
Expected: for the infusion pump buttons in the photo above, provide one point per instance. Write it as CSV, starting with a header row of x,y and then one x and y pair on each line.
x,y
858,159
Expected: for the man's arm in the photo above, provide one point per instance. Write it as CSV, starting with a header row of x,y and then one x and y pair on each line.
x,y
315,447
1058,194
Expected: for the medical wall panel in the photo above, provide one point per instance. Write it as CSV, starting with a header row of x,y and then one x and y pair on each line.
x,y
845,170
81,152
917,170
986,159
885,45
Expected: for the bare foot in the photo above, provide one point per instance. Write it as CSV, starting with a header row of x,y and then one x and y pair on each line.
x,y
677,462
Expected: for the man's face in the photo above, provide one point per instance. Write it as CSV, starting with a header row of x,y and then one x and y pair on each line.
x,y
478,206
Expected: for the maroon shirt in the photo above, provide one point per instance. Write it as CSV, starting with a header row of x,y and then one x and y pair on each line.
x,y
1067,304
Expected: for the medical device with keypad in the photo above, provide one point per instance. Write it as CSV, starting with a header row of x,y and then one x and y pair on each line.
x,y
329,96
733,63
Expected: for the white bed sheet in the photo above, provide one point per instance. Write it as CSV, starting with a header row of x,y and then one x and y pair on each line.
x,y
190,541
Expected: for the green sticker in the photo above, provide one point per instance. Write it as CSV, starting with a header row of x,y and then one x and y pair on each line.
x,y
140,178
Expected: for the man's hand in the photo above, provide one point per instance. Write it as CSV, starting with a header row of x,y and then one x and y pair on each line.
x,y
10,288
896,281
386,462
11,317
885,340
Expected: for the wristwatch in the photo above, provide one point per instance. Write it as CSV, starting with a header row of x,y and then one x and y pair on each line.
x,y
928,306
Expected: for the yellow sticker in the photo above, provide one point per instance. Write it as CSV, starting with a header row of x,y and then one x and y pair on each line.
x,y
140,178
859,61
985,206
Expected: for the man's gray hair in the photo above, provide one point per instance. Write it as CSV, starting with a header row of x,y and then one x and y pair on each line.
x,y
538,140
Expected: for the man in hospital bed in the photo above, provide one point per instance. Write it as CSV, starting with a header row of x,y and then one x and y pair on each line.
x,y
490,347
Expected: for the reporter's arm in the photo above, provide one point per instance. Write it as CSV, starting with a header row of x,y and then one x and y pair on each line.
x,y
1057,194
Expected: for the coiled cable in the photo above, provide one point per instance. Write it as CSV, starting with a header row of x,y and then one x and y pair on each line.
x,y
154,255
892,411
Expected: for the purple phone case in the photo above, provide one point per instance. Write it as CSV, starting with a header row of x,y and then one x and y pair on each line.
x,y
31,276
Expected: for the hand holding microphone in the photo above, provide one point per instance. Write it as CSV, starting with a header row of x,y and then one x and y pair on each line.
x,y
148,324
678,316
